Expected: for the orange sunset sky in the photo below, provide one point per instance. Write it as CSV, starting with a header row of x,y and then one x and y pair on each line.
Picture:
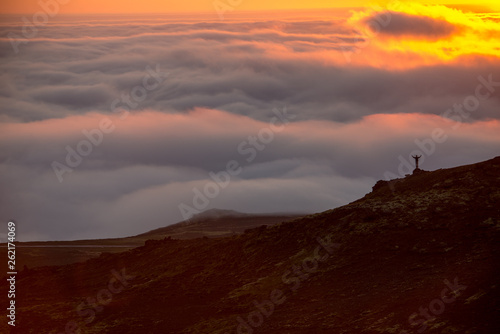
x,y
167,6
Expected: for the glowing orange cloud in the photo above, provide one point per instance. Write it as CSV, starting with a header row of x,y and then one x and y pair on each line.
x,y
446,33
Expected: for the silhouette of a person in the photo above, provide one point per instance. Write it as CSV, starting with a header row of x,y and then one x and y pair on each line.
x,y
416,157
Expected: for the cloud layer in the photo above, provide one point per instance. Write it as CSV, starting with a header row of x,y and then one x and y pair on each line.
x,y
402,24
308,128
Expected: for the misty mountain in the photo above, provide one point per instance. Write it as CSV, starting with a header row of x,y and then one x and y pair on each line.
x,y
213,223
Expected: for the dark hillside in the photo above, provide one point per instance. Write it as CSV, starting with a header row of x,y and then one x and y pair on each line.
x,y
416,255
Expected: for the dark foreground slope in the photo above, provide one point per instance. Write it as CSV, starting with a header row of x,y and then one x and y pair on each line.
x,y
425,252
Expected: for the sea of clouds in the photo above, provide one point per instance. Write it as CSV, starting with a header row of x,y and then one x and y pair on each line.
x,y
348,120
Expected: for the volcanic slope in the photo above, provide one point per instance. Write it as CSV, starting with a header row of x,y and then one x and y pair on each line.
x,y
416,255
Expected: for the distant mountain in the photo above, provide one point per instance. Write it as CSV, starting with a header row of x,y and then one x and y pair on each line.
x,y
217,214
216,223
213,223
416,255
